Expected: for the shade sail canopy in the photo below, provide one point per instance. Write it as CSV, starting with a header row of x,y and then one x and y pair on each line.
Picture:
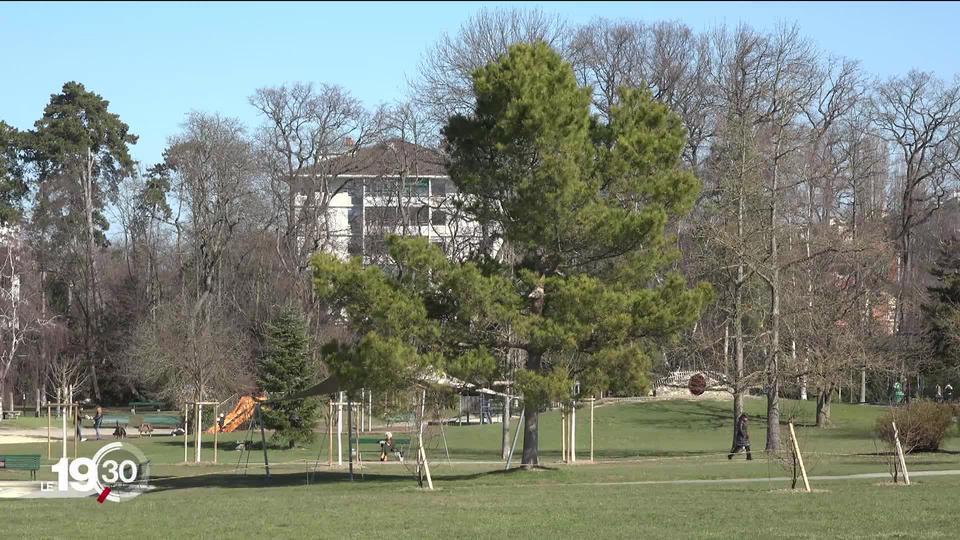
x,y
332,385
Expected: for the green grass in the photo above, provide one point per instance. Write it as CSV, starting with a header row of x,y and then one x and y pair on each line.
x,y
649,441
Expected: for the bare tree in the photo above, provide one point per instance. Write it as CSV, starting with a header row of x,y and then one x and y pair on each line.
x,y
443,84
214,169
19,298
190,361
920,116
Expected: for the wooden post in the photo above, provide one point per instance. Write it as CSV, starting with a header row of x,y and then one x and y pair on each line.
x,y
216,430
796,448
573,432
357,431
340,429
900,458
186,424
263,438
516,435
370,411
49,448
76,436
592,400
197,431
330,434
422,452
563,434
63,420
350,435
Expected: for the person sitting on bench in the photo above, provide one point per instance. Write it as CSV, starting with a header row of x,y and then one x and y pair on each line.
x,y
387,444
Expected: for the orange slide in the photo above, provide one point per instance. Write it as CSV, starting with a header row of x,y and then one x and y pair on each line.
x,y
239,415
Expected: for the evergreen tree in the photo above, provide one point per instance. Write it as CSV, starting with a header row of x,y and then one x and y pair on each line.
x,y
79,151
284,370
579,207
942,312
13,185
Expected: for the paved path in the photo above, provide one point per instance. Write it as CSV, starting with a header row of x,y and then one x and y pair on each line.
x,y
862,476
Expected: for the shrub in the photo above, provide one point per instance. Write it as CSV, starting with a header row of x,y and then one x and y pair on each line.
x,y
922,425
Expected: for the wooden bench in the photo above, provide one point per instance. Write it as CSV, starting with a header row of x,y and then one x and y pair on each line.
x,y
21,462
11,414
156,405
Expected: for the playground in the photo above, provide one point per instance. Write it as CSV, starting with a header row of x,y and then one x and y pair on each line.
x,y
659,467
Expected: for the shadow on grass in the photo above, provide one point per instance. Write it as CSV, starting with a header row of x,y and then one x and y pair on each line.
x,y
239,480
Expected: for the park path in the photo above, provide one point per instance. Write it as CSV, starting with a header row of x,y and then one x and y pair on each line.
x,y
860,476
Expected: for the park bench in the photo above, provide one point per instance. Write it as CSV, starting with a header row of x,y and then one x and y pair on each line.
x,y
11,414
155,405
109,420
372,444
22,462
133,421
162,421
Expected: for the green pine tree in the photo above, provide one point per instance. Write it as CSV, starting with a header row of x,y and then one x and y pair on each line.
x,y
580,207
285,369
942,312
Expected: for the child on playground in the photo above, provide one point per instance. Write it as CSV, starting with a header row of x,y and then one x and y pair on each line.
x,y
741,438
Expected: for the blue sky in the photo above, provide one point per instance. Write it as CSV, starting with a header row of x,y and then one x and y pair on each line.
x,y
157,61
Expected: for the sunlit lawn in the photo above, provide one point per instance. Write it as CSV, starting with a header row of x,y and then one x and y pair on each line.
x,y
651,441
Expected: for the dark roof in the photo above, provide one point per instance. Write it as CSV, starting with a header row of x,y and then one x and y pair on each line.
x,y
392,157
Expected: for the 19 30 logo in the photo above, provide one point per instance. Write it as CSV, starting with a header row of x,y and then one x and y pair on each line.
x,y
118,471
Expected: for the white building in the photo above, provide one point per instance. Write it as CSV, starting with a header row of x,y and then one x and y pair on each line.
x,y
391,187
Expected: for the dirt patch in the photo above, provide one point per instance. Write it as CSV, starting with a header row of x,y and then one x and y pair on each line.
x,y
799,491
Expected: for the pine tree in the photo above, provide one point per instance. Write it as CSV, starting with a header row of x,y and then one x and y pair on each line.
x,y
942,311
284,370
581,206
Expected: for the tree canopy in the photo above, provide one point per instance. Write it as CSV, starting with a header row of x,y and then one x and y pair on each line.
x,y
577,208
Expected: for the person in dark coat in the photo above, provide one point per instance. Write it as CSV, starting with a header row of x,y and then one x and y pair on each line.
x,y
741,438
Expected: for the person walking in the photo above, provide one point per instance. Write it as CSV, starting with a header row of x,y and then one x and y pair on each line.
x,y
741,438
78,434
98,420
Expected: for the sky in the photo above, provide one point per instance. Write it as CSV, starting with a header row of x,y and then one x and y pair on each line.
x,y
156,62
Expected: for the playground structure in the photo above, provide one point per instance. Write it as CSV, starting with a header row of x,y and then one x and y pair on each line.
x,y
237,417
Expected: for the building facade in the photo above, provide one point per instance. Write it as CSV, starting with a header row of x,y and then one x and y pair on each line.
x,y
393,187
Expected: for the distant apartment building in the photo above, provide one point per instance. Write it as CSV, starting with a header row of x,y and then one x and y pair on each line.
x,y
392,187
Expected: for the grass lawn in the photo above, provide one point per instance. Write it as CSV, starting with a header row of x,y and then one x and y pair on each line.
x,y
637,442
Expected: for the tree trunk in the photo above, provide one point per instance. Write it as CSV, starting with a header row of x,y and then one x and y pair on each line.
x,y
91,318
823,406
738,301
773,366
531,442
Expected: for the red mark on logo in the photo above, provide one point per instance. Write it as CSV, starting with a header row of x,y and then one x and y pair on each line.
x,y
103,496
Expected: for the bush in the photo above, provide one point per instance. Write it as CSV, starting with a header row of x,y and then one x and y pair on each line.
x,y
922,425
